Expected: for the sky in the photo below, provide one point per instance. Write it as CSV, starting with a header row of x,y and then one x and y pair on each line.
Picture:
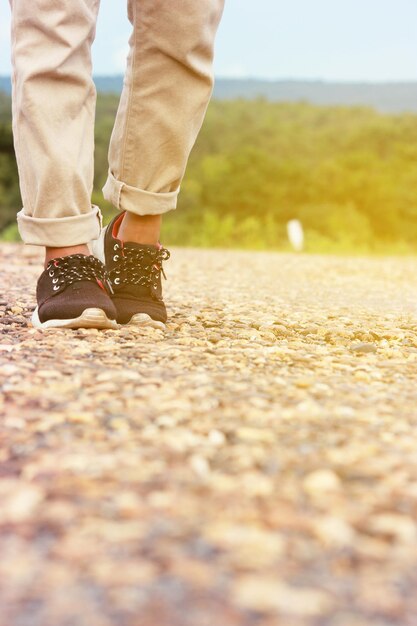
x,y
344,40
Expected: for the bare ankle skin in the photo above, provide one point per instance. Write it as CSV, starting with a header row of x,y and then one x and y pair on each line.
x,y
144,229
53,253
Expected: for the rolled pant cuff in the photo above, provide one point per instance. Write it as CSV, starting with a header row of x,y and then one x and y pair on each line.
x,y
61,231
139,201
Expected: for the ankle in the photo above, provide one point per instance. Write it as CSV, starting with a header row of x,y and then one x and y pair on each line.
x,y
53,253
145,229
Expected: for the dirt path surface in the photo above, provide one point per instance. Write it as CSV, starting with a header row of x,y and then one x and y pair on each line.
x,y
254,465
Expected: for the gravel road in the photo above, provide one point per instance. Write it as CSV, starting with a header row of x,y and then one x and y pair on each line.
x,y
253,465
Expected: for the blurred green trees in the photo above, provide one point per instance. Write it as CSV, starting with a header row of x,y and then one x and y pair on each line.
x,y
9,186
348,173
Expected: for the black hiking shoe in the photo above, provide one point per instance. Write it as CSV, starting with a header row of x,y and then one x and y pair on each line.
x,y
72,293
135,274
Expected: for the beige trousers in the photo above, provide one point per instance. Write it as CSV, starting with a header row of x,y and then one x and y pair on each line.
x,y
167,87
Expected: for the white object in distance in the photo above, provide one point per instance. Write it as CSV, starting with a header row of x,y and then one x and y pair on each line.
x,y
295,234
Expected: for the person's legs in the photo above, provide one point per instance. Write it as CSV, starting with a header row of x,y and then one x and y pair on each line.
x,y
167,88
53,101
53,106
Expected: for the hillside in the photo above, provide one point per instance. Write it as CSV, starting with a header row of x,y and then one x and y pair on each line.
x,y
385,97
347,173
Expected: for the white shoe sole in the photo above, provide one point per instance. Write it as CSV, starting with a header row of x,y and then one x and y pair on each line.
x,y
89,318
143,319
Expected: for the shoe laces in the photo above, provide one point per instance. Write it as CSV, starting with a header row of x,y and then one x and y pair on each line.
x,y
67,270
138,266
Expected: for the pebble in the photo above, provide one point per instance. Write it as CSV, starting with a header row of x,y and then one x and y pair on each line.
x,y
364,348
199,465
322,480
264,595
401,527
19,501
216,438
